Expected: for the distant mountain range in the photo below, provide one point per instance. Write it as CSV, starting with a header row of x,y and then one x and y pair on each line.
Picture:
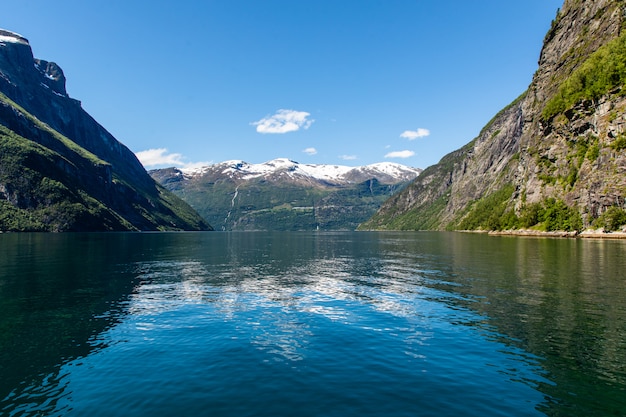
x,y
554,159
285,195
295,172
62,171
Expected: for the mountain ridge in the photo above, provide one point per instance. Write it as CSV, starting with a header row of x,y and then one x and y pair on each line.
x,y
554,158
386,172
60,170
282,194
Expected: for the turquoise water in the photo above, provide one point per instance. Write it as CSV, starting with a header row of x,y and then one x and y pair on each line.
x,y
311,324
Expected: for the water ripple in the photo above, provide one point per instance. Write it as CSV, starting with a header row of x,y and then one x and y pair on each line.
x,y
340,324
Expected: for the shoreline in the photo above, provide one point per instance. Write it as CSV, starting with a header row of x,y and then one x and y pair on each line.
x,y
586,234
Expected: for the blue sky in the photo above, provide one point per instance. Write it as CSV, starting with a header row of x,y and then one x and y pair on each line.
x,y
349,82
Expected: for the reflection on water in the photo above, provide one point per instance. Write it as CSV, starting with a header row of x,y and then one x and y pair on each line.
x,y
326,324
564,301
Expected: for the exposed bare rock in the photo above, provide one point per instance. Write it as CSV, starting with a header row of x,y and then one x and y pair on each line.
x,y
62,171
575,156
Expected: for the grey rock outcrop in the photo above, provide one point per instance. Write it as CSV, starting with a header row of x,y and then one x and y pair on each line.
x,y
572,157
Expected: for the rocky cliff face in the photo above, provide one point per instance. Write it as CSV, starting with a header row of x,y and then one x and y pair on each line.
x,y
557,150
59,169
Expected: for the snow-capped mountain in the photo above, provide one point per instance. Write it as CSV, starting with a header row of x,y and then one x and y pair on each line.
x,y
285,195
286,169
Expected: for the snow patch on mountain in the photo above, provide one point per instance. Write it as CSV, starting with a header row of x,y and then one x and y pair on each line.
x,y
334,174
7,36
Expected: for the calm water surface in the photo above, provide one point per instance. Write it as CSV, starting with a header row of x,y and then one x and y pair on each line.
x,y
311,324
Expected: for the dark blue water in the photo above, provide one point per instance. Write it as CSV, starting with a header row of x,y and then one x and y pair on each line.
x,y
311,324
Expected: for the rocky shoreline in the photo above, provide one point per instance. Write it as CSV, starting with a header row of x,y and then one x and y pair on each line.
x,y
586,234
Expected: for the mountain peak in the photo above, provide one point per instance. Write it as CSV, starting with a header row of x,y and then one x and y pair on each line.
x,y
290,170
61,169
282,161
7,36
282,194
19,67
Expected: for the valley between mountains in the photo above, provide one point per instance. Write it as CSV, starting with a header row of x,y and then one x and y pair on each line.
x,y
285,195
553,160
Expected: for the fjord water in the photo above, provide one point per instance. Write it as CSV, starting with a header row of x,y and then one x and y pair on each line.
x,y
311,324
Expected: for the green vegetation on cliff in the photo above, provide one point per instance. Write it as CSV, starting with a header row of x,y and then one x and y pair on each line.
x,y
493,212
60,170
63,141
57,185
488,212
612,219
39,195
549,215
424,217
553,159
603,72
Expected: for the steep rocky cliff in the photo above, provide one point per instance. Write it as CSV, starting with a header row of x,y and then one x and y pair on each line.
x,y
554,158
62,171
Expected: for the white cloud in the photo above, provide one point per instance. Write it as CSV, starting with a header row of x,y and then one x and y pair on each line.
x,y
414,134
284,121
310,151
154,157
160,157
348,157
400,154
